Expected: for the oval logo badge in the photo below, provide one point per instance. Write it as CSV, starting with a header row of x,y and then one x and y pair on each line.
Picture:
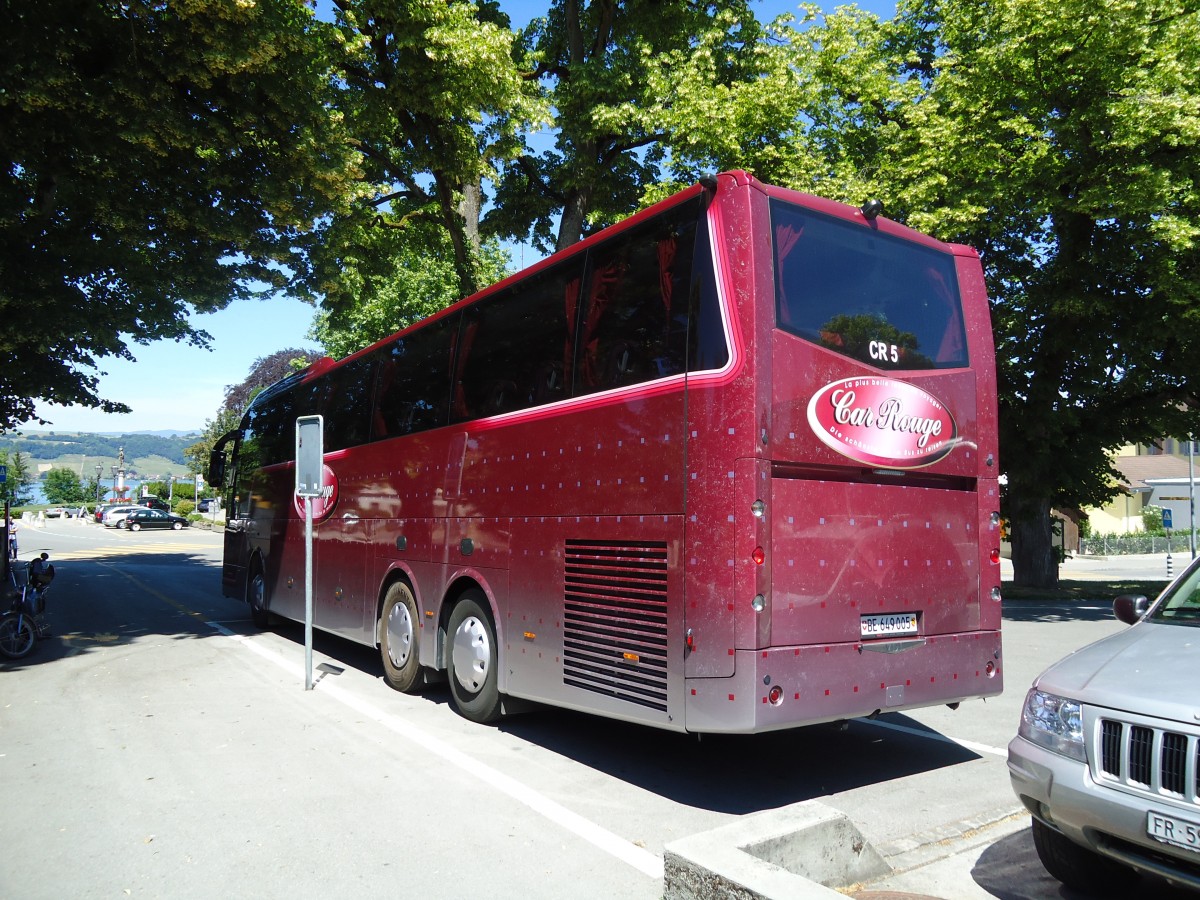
x,y
323,505
882,422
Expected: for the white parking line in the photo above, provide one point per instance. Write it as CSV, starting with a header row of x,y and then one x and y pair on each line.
x,y
641,859
934,736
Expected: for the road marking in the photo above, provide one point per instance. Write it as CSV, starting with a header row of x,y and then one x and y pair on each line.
x,y
643,860
934,736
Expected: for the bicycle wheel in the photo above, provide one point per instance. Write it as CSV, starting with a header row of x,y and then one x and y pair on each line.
x,y
17,636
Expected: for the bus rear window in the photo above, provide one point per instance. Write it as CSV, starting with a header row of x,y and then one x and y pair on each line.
x,y
879,299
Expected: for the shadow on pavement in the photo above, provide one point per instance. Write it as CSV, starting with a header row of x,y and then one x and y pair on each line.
x,y
1010,870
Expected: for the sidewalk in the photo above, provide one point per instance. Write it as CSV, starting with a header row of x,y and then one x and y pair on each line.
x,y
1135,567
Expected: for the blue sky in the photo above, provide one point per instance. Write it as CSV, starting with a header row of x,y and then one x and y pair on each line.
x,y
179,387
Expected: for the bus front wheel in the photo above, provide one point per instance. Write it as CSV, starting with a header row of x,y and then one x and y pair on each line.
x,y
398,645
256,595
473,659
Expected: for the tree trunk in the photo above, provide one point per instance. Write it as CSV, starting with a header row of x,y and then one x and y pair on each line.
x,y
574,214
1035,562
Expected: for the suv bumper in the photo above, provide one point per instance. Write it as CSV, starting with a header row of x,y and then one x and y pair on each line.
x,y
1108,821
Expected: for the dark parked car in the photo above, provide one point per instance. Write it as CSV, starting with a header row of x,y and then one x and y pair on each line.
x,y
154,503
154,518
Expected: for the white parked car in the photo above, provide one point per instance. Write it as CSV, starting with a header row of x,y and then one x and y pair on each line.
x,y
1107,757
115,517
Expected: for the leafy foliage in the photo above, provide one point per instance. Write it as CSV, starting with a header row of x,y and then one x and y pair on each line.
x,y
432,98
16,490
265,371
1060,140
597,64
159,158
63,486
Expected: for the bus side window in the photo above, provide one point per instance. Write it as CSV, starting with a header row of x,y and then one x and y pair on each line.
x,y
414,380
635,322
515,347
346,404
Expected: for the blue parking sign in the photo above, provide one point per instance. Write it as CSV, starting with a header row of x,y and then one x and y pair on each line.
x,y
1167,519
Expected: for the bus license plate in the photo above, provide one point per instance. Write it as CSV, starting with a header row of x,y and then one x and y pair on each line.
x,y
888,625
1171,830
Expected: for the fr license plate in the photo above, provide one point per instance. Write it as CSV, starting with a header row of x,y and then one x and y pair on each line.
x,y
890,625
1171,830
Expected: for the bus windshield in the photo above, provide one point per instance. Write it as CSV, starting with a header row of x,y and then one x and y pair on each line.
x,y
872,297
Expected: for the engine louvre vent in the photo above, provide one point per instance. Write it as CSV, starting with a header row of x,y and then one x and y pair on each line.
x,y
615,620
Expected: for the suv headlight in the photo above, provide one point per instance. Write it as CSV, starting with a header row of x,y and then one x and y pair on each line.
x,y
1055,723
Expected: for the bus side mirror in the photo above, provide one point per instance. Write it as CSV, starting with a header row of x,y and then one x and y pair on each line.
x,y
216,466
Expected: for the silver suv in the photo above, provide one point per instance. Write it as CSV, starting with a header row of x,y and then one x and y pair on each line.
x,y
1107,757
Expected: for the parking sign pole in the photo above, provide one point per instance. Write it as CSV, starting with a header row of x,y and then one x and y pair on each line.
x,y
310,465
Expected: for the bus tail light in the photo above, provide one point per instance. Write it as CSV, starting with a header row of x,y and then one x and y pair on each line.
x,y
775,695
995,555
759,555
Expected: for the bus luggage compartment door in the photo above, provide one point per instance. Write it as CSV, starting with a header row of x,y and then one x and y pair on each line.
x,y
844,551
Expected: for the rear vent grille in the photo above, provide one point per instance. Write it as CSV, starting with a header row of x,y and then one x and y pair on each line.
x,y
615,622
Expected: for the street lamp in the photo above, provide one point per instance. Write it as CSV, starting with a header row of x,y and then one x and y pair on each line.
x,y
99,474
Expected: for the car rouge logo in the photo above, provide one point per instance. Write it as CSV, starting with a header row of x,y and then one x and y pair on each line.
x,y
882,422
322,505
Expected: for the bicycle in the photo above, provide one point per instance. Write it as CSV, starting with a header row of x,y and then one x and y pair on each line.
x,y
22,624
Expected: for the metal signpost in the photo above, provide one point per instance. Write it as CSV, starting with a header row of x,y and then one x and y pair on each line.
x,y
1167,525
310,463
3,480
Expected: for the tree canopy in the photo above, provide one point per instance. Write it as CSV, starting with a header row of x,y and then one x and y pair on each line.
x,y
1061,141
159,158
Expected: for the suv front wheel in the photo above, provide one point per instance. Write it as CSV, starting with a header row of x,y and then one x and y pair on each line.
x,y
1078,867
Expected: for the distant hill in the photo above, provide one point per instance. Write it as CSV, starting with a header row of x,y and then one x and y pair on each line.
x,y
150,454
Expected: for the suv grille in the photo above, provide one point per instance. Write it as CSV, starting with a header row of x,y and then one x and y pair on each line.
x,y
1149,758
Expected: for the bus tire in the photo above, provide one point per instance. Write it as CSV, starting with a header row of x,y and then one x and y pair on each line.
x,y
256,596
17,636
473,659
399,647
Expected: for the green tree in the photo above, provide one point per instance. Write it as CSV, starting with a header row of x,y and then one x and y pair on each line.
x,y
17,489
1061,141
159,158
598,63
62,485
432,99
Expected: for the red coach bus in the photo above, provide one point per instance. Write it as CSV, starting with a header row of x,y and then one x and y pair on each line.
x,y
728,466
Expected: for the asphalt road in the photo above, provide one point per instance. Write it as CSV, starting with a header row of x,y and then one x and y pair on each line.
x,y
157,746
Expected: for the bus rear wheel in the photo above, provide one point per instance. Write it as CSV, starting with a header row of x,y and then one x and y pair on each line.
x,y
256,596
398,645
473,659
